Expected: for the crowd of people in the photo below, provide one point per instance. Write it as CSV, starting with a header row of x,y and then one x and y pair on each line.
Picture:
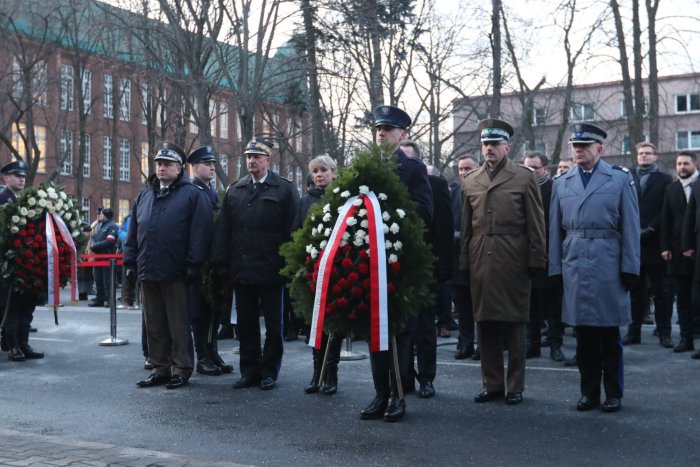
x,y
518,251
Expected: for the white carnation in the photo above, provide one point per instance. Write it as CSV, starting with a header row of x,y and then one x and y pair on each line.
x,y
14,229
327,233
351,221
386,216
313,253
360,233
358,242
31,201
313,218
323,244
319,228
68,215
394,228
42,202
42,194
386,228
336,189
345,194
73,223
398,245
382,196
313,231
346,236
362,212
357,202
401,213
308,248
31,213
326,217
23,211
364,224
343,243
327,207
75,234
23,221
393,258
364,189
62,195
15,219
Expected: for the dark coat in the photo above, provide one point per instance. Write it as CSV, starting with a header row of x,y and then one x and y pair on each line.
x,y
168,234
251,227
671,231
459,275
6,196
651,200
312,196
208,191
502,239
104,240
441,231
414,175
691,227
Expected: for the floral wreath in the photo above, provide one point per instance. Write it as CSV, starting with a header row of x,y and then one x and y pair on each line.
x,y
337,249
32,256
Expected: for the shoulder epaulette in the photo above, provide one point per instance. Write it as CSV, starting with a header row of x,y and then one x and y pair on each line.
x,y
558,175
619,167
286,179
525,167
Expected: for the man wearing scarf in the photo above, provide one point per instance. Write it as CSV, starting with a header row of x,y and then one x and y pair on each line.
x,y
651,186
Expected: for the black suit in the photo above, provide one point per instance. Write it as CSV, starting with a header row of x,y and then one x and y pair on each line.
x,y
461,291
651,190
679,267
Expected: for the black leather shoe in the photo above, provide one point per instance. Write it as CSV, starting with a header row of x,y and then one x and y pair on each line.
x,y
245,382
487,396
225,367
696,355
666,342
206,366
29,352
292,334
32,329
313,387
427,390
15,355
268,382
153,380
684,345
477,354
631,339
464,351
330,384
587,403
612,404
375,409
395,410
573,361
557,355
175,382
95,303
514,398
533,351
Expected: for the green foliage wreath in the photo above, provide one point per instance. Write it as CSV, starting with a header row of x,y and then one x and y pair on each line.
x,y
409,258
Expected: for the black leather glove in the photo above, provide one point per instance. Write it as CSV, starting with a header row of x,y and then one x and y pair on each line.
x,y
557,281
192,275
628,280
130,273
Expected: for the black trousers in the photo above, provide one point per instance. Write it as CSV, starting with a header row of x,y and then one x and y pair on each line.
x,y
102,283
599,355
422,335
443,304
462,297
687,308
663,304
545,304
19,316
251,301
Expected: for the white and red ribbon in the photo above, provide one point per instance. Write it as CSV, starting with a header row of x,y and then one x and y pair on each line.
x,y
52,262
379,321
68,240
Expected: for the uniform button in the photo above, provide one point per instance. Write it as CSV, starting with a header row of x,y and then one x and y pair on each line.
x,y
488,253
489,211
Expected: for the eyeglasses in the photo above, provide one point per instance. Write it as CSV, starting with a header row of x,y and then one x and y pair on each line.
x,y
535,167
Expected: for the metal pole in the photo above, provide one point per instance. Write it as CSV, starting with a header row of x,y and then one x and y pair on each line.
x,y
113,340
348,354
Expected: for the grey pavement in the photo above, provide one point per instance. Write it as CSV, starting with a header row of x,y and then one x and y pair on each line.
x,y
80,406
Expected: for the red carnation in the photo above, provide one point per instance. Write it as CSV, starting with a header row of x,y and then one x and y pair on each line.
x,y
352,317
365,284
343,283
38,238
341,302
353,277
346,249
363,268
363,254
362,307
28,253
308,259
317,265
22,233
18,260
390,287
330,308
37,270
346,263
336,289
42,254
395,266
312,286
17,244
357,291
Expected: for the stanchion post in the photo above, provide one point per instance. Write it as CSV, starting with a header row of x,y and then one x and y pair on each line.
x,y
113,340
348,354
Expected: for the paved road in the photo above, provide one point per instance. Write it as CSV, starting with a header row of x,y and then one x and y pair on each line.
x,y
80,406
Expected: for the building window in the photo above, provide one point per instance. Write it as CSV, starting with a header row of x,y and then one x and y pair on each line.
x,y
626,147
87,91
123,210
623,109
88,155
239,134
538,116
144,162
539,146
688,103
212,118
125,100
299,139
106,203
239,167
223,120
66,152
108,97
107,158
582,112
687,140
124,160
298,176
223,162
66,87
19,133
38,80
85,210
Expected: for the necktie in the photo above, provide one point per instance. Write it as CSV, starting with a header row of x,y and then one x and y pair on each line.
x,y
586,178
256,185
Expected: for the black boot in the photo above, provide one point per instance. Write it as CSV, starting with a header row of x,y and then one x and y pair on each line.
x,y
396,408
213,348
29,352
313,385
205,365
15,354
330,380
380,376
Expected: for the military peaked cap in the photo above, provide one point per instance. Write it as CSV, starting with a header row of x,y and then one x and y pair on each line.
x,y
586,133
493,130
170,152
203,154
391,116
259,145
15,168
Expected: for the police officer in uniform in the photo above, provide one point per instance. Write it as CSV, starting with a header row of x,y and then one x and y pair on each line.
x,y
392,125
257,216
594,251
203,317
103,241
15,332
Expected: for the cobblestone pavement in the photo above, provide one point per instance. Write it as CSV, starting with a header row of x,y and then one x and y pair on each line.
x,y
34,450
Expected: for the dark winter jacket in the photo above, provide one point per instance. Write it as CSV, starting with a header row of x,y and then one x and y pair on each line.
x,y
104,240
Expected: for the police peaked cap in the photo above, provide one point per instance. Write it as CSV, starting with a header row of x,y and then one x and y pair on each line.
x,y
259,145
586,133
15,168
170,152
391,116
203,154
493,130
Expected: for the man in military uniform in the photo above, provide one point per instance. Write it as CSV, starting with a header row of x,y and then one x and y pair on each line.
x,y
103,241
204,319
503,246
594,251
168,241
392,124
15,332
257,216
